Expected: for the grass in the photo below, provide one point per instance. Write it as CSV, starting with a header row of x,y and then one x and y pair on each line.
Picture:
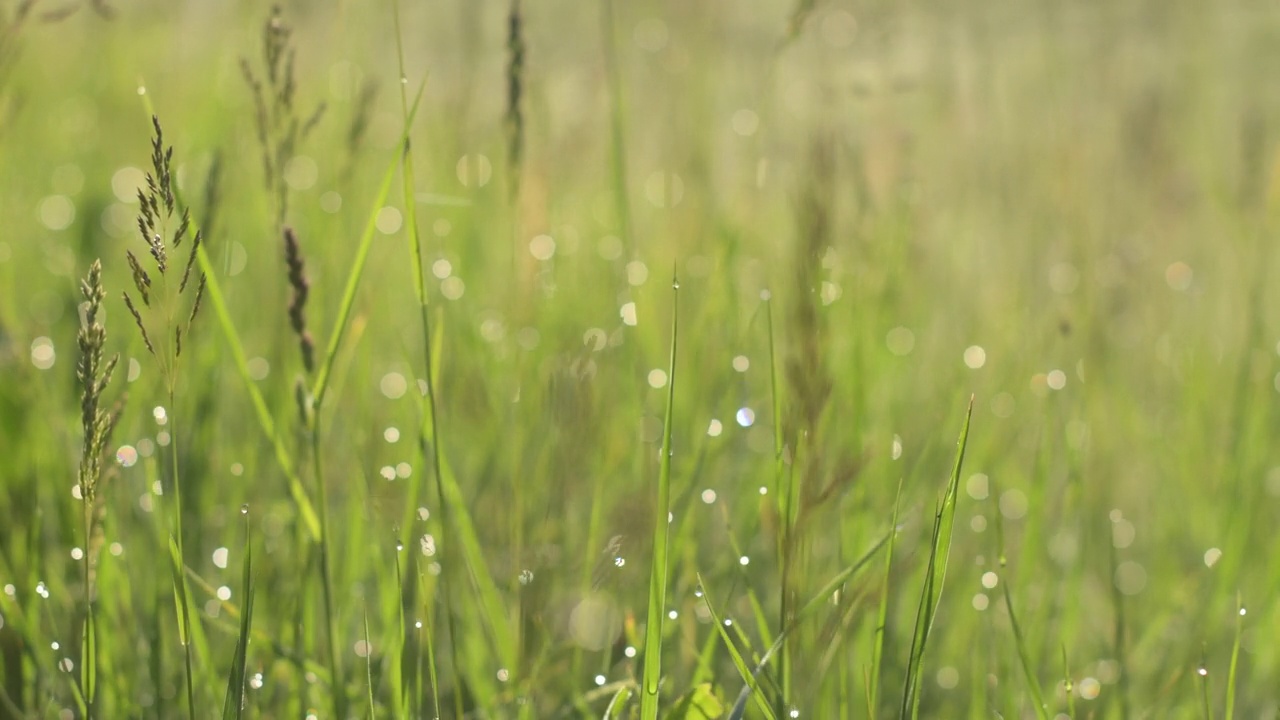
x,y
435,360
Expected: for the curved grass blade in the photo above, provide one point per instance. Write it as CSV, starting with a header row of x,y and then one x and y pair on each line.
x,y
752,687
661,525
618,703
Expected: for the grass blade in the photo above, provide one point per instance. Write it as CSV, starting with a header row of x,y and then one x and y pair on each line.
x,y
661,526
882,615
935,575
1235,658
784,491
1202,676
368,668
234,703
618,703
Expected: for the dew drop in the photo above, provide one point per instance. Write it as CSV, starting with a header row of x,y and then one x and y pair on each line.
x,y
244,509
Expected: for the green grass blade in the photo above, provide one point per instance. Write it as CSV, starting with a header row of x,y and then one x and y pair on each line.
x,y
182,607
882,615
935,575
661,526
401,648
1229,713
235,700
368,668
1202,677
783,490
89,661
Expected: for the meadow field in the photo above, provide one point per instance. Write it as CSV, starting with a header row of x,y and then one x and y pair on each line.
x,y
649,359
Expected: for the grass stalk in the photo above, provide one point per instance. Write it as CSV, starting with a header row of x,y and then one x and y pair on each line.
x,y
1202,678
1024,655
429,435
337,680
96,425
179,560
168,322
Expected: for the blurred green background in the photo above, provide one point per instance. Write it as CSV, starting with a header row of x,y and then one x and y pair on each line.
x,y
1064,209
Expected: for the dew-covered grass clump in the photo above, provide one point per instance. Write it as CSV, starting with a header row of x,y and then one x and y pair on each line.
x,y
785,359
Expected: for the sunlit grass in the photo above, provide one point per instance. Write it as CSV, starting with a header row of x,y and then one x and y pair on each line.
x,y
877,212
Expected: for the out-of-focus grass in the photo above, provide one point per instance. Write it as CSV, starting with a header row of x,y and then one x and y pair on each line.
x,y
1066,210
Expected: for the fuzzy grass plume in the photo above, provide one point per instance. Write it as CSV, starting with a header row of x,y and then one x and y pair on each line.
x,y
276,118
96,423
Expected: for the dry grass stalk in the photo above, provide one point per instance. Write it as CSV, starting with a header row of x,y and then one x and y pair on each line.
x,y
298,300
